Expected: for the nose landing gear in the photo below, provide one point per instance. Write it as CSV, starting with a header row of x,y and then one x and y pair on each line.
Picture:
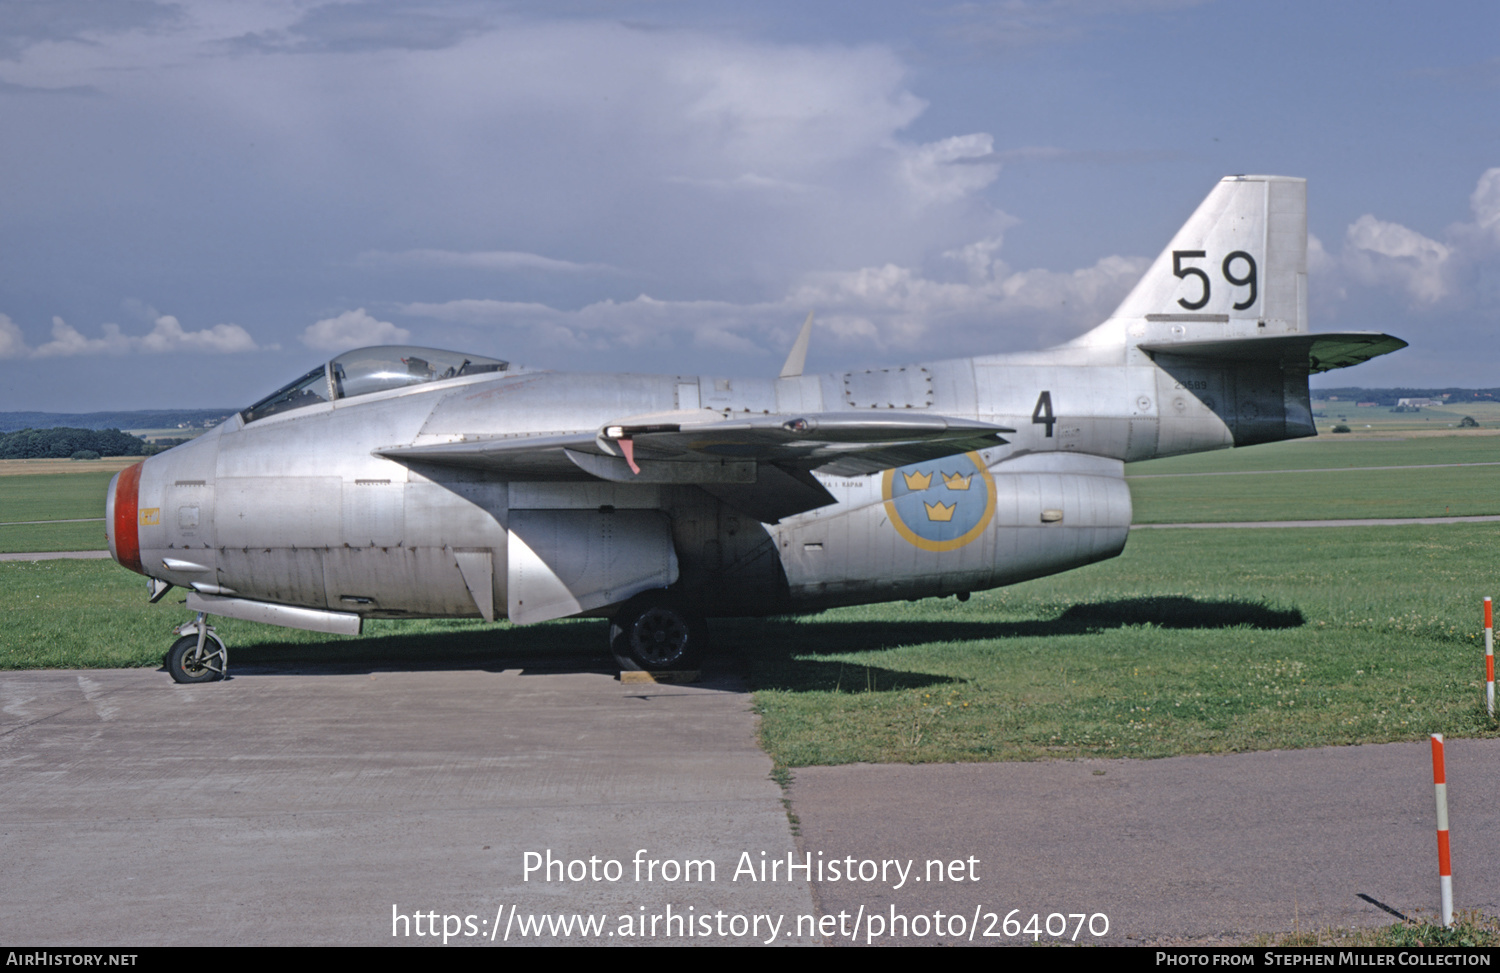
x,y
199,655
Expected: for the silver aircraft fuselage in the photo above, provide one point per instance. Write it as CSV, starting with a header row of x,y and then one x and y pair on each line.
x,y
540,494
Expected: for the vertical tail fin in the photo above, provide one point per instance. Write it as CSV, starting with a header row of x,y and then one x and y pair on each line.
x,y
1236,269
1221,316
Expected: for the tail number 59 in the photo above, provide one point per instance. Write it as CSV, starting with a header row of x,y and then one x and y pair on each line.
x,y
1247,278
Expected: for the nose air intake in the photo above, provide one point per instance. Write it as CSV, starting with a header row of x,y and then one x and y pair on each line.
x,y
121,520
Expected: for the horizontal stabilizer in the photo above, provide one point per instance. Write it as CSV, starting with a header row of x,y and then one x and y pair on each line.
x,y
1319,352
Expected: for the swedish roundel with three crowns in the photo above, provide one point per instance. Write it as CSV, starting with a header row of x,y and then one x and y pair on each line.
x,y
942,504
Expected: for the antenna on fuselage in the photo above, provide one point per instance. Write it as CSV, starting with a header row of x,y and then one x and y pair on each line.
x,y
798,356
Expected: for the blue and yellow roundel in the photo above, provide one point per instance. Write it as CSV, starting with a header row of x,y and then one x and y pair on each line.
x,y
941,504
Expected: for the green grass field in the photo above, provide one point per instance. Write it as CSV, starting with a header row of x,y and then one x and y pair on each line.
x,y
26,538
1350,478
1381,420
1191,642
1328,452
1331,495
52,496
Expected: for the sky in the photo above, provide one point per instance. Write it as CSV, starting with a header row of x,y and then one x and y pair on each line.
x,y
201,200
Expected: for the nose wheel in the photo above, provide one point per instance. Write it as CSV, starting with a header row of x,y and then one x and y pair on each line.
x,y
199,655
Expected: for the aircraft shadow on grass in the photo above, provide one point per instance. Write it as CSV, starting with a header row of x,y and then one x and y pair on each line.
x,y
781,657
1175,612
775,650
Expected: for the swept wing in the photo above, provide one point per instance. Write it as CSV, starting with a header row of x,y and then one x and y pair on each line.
x,y
720,454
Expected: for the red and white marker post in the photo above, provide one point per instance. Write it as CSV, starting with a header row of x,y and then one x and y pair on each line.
x,y
1445,868
1489,656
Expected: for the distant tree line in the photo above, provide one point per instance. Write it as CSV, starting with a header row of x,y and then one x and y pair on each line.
x,y
138,419
1389,397
63,443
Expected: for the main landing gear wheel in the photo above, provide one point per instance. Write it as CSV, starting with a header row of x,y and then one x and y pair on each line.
x,y
199,656
653,634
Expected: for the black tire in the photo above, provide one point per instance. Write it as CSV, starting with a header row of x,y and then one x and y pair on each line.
x,y
182,669
653,634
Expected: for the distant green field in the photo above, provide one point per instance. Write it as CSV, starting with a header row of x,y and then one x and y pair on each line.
x,y
53,496
1328,452
1435,482
26,538
1450,491
1204,641
1381,419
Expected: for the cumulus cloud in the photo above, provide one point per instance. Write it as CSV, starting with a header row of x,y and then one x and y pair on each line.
x,y
890,309
12,341
675,153
1378,252
602,325
1381,255
995,309
731,180
951,168
68,340
351,330
971,301
1485,202
683,163
166,336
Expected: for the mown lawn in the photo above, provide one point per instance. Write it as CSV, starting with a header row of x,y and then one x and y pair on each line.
x,y
1202,641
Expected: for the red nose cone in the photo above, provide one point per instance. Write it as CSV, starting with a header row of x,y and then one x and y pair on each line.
x,y
124,528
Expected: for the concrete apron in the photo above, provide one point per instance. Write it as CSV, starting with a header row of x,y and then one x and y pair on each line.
x,y
334,807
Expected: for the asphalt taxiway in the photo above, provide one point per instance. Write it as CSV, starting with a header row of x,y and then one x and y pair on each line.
x,y
336,806
322,807
1206,848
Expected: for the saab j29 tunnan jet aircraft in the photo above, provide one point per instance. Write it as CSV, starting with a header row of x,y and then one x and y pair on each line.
x,y
403,482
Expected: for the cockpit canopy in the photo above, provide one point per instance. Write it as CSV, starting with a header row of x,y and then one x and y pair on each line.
x,y
367,370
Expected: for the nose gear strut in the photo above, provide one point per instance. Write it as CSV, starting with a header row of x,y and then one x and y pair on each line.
x,y
199,655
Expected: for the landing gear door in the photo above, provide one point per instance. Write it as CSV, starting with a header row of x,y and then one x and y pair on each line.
x,y
564,562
